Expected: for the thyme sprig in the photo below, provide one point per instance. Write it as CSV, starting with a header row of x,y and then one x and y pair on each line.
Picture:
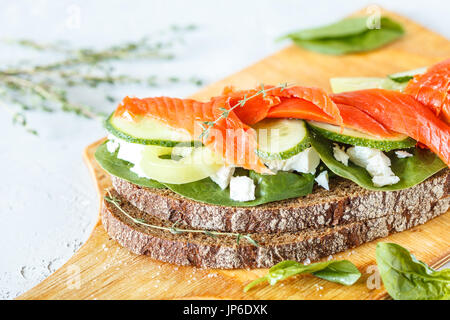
x,y
174,229
44,87
207,125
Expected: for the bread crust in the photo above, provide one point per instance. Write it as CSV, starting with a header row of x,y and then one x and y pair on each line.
x,y
203,251
344,203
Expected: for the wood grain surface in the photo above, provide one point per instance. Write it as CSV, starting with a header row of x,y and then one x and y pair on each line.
x,y
101,269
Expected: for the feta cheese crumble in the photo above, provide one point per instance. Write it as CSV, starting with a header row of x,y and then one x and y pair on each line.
x,y
403,154
304,162
131,152
242,189
112,145
375,162
223,176
340,155
322,180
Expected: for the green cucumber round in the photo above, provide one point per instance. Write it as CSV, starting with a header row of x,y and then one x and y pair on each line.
x,y
358,138
280,139
198,165
360,83
405,76
148,131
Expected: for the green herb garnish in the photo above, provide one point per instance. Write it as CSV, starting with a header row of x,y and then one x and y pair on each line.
x,y
175,230
207,125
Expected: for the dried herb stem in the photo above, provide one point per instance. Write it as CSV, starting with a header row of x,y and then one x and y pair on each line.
x,y
47,92
43,87
174,230
207,125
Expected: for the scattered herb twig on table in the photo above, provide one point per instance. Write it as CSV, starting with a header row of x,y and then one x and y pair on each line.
x,y
43,87
174,229
207,125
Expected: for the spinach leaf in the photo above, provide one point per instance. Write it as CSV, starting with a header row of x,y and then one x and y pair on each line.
x,y
269,188
347,36
121,168
411,171
341,271
406,278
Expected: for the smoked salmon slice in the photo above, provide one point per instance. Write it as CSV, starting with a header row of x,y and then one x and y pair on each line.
x,y
257,108
351,116
402,113
432,89
228,137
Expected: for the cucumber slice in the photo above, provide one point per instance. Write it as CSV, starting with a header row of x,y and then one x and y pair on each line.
x,y
405,76
280,139
198,165
148,131
351,84
358,138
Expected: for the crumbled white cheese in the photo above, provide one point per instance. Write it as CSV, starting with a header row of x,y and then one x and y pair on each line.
x,y
131,152
360,155
112,145
304,162
322,180
380,181
403,154
242,189
340,155
223,176
376,163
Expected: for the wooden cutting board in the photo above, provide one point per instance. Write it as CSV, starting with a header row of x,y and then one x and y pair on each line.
x,y
101,269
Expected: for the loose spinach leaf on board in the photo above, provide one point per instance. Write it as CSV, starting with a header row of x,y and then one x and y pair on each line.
x,y
341,271
406,278
347,36
411,171
121,168
269,188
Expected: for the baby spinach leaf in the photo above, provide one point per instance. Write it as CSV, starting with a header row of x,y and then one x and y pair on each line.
x,y
411,171
347,36
269,188
339,271
340,29
406,278
121,168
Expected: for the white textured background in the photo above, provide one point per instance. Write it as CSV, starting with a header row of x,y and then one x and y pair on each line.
x,y
48,203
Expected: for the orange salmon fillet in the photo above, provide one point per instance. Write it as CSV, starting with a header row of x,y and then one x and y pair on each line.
x,y
432,89
351,116
229,136
257,108
402,113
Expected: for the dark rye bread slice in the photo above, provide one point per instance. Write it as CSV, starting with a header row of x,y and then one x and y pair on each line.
x,y
200,250
345,202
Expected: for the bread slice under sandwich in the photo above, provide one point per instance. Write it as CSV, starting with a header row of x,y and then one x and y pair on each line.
x,y
308,228
345,202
